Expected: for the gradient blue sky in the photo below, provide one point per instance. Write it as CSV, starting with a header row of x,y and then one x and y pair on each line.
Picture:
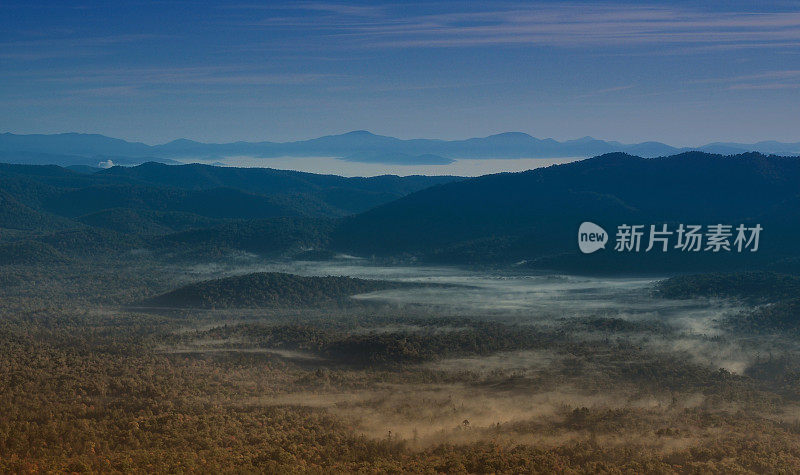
x,y
685,73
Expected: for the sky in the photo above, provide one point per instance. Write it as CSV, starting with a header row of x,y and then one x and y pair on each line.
x,y
685,73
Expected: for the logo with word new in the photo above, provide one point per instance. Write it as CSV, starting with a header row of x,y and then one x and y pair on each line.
x,y
591,237
683,238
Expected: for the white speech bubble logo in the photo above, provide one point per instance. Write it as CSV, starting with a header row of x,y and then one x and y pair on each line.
x,y
591,237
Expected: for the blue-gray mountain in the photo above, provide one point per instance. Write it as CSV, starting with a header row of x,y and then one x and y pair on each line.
x,y
49,212
534,216
360,146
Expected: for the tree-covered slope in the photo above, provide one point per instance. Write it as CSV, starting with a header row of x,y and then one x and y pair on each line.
x,y
535,214
267,290
181,209
146,222
263,236
343,195
759,286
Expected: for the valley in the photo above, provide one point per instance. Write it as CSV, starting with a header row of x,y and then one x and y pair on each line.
x,y
447,369
193,318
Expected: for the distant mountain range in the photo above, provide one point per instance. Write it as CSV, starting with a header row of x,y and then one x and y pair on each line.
x,y
359,146
526,219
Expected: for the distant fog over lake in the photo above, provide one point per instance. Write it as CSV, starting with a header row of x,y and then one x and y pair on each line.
x,y
331,165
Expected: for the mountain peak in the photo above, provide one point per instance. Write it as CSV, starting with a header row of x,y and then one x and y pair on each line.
x,y
182,142
359,133
512,135
583,140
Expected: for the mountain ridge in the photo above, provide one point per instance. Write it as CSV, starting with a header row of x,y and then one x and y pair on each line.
x,y
359,145
533,216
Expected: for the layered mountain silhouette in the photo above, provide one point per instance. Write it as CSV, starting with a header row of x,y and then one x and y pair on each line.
x,y
360,146
529,219
203,190
47,212
534,216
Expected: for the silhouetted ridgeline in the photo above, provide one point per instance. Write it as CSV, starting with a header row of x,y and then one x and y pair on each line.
x,y
359,145
202,189
533,216
528,219
180,208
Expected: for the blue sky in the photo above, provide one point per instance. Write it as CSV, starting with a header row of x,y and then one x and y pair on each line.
x,y
685,73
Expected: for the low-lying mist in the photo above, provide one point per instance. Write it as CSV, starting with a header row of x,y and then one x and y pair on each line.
x,y
571,358
335,166
527,298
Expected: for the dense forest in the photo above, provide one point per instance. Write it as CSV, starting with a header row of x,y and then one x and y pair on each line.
x,y
194,319
92,385
268,290
777,294
753,286
526,218
43,198
533,216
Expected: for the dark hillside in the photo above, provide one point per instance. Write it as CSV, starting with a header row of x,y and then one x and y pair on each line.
x,y
535,214
268,290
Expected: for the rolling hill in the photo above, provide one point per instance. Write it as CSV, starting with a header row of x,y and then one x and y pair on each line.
x,y
533,216
182,209
263,236
342,195
201,190
528,218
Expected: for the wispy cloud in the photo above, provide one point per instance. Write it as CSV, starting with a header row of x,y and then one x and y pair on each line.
x,y
765,87
154,81
160,76
608,90
767,80
332,8
560,25
67,47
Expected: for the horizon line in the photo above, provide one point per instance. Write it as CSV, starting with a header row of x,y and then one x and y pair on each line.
x,y
355,131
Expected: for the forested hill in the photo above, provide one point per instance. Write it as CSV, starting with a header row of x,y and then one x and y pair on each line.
x,y
268,289
756,287
534,215
348,195
258,192
49,212
776,298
